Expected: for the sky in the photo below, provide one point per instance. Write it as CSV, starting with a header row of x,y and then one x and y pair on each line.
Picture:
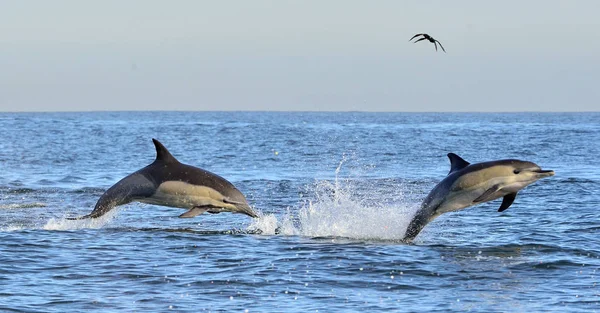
x,y
283,55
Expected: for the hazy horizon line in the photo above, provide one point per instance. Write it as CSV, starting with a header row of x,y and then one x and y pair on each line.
x,y
290,111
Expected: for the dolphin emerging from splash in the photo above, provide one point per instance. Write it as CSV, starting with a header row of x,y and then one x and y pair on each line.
x,y
470,184
170,183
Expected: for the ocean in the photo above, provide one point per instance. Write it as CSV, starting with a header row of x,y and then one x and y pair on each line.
x,y
335,192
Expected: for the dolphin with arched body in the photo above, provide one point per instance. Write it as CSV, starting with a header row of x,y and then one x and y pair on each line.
x,y
168,182
470,184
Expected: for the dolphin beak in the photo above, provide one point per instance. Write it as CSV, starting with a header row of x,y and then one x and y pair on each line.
x,y
246,209
544,173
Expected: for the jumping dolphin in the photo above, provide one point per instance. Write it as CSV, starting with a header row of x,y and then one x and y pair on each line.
x,y
431,39
470,184
170,183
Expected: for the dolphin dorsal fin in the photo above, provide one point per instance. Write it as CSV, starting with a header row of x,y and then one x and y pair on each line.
x,y
456,163
162,154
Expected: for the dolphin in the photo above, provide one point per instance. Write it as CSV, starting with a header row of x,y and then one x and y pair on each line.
x,y
470,184
168,182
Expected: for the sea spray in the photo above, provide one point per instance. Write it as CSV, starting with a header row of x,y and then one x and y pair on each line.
x,y
345,208
94,223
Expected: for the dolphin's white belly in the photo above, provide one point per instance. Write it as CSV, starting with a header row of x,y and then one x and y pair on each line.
x,y
183,195
456,201
459,199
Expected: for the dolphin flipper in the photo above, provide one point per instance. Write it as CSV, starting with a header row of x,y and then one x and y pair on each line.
x,y
507,201
488,195
195,211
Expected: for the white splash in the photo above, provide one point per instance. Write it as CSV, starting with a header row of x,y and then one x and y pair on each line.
x,y
266,224
340,210
66,224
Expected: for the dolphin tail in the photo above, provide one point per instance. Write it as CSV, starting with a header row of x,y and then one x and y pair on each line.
x,y
83,217
418,222
134,186
107,202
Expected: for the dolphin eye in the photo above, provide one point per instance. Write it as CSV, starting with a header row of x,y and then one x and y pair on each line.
x,y
516,171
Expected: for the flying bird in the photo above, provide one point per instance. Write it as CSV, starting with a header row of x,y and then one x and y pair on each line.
x,y
433,41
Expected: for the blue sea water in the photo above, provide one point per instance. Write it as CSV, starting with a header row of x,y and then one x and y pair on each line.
x,y
339,187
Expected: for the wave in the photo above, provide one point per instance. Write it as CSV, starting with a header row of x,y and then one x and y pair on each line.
x,y
22,205
14,227
28,190
19,190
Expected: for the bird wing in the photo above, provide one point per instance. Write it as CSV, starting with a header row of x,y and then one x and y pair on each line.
x,y
435,45
441,46
420,39
417,35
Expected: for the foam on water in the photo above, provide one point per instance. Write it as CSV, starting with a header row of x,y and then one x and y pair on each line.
x,y
266,224
61,223
66,224
340,210
343,214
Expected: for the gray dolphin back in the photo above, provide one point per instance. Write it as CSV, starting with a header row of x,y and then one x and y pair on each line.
x,y
168,168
